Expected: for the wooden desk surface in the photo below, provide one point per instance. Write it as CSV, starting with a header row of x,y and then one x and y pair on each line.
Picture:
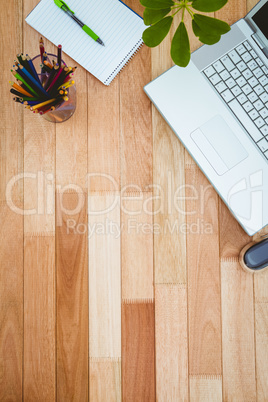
x,y
136,316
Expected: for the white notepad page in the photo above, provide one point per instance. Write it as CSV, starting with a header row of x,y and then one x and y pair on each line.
x,y
118,27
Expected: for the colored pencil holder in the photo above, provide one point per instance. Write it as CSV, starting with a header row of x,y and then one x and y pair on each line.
x,y
64,111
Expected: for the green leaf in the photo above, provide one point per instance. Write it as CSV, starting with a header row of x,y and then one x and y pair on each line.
x,y
203,37
154,35
157,4
211,26
180,46
151,16
208,5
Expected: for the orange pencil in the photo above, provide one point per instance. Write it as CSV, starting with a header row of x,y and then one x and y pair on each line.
x,y
20,89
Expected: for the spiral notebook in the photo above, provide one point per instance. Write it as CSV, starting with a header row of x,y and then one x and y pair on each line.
x,y
117,25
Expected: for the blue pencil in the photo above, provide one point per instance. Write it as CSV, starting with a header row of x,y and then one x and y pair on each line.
x,y
32,67
33,80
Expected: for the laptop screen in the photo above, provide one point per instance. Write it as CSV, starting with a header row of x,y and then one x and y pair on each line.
x,y
260,19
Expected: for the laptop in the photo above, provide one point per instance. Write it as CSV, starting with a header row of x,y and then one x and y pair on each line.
x,y
218,108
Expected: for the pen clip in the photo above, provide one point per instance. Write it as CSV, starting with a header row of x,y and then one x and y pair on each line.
x,y
61,4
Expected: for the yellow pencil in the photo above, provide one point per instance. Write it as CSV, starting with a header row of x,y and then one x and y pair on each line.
x,y
42,104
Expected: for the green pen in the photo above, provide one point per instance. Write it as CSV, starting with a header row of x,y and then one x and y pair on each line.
x,y
85,28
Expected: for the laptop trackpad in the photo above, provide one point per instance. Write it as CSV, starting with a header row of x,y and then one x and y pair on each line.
x,y
219,144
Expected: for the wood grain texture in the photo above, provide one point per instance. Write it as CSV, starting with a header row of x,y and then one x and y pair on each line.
x,y
104,276
11,302
171,343
39,319
261,339
71,137
138,352
205,389
105,380
137,247
232,237
135,119
238,349
168,177
204,306
72,298
103,135
232,11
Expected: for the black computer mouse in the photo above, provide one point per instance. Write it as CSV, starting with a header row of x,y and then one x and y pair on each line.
x,y
254,256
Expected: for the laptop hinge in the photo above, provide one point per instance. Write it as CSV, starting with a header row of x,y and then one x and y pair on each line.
x,y
260,45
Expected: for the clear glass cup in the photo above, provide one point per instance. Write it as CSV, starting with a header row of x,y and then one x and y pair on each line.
x,y
65,110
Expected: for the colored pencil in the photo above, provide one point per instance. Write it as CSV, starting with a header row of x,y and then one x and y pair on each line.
x,y
59,55
20,89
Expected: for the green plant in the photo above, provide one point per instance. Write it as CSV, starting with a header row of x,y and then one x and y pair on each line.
x,y
160,13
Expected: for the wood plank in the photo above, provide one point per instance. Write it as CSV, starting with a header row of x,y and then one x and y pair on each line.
x,y
261,339
71,138
232,11
238,349
168,177
11,302
232,237
138,345
203,275
11,113
72,297
39,318
105,380
104,276
137,247
251,4
11,232
171,343
206,388
103,135
135,118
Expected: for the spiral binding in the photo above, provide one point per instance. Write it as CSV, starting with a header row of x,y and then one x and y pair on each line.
x,y
124,62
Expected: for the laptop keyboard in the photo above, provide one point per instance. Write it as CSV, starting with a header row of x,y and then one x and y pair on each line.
x,y
240,77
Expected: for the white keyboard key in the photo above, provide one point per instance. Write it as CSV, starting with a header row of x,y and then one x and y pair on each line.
x,y
266,120
246,57
224,75
245,120
264,113
258,72
229,65
259,89
247,45
253,114
252,97
235,73
218,66
247,106
265,70
258,105
221,86
252,64
266,88
215,79
266,154
241,81
253,81
241,49
247,73
227,95
236,90
234,56
242,98
209,71
230,83
241,66
259,61
253,54
263,145
264,97
264,130
246,89
259,122
263,80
